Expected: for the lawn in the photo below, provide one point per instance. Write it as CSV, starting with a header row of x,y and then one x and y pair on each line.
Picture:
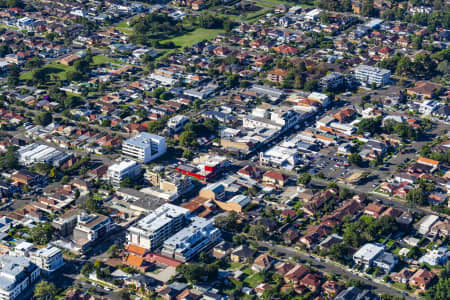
x,y
193,37
254,280
52,68
101,59
61,70
291,3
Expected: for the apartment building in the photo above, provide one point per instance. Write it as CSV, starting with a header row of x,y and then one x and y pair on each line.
x,y
332,81
17,273
151,231
190,241
91,227
368,75
49,259
176,123
118,172
144,147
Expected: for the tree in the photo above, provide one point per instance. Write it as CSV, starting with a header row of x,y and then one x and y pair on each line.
x,y
367,8
158,92
191,272
9,160
45,290
404,66
355,159
90,204
228,222
416,197
188,139
369,125
232,81
258,232
35,62
188,154
211,125
13,75
311,85
43,118
40,76
344,194
87,269
113,251
304,179
65,179
41,233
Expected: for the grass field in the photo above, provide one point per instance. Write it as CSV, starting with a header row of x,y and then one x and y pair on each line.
x,y
100,59
61,70
193,37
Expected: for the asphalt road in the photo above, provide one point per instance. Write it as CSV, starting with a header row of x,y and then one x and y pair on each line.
x,y
329,267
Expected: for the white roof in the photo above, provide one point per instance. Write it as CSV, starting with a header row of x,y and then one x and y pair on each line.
x,y
369,251
123,165
159,217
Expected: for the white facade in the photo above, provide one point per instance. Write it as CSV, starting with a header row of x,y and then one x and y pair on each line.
x,y
368,75
17,273
191,240
118,172
280,157
48,259
177,123
144,147
37,153
367,254
151,231
435,257
426,223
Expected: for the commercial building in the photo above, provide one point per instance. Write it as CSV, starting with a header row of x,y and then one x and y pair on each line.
x,y
236,203
17,273
278,156
151,231
190,241
144,147
48,259
91,227
37,153
118,172
368,75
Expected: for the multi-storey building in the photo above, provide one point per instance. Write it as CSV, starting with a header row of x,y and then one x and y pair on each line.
x,y
158,226
332,81
91,227
120,171
190,241
144,147
368,75
17,273
48,259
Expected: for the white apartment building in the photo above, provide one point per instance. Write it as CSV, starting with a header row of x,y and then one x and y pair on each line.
x,y
48,259
17,273
177,123
118,172
144,147
151,231
190,241
368,75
